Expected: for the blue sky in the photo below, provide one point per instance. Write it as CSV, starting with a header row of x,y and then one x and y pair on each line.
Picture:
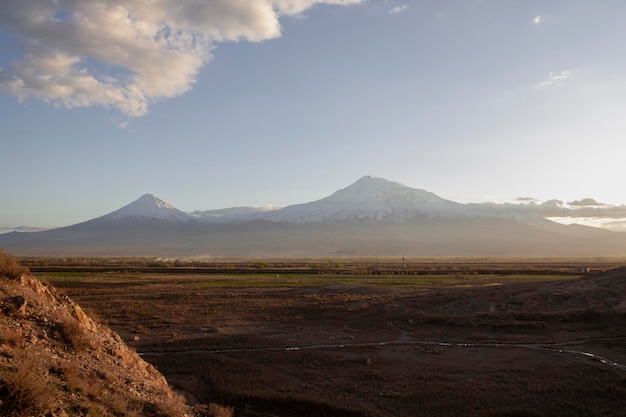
x,y
477,100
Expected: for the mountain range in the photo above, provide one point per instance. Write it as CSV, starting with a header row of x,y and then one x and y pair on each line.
x,y
371,217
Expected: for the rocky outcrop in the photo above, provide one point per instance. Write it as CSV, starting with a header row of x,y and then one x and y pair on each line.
x,y
57,361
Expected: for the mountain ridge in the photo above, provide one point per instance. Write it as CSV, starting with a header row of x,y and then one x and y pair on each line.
x,y
371,217
369,198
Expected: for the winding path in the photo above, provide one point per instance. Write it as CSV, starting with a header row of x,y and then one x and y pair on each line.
x,y
405,339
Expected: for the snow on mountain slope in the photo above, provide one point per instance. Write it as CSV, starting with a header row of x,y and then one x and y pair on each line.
x,y
231,214
377,199
147,208
369,198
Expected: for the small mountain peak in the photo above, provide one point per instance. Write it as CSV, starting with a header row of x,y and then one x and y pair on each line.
x,y
153,200
149,207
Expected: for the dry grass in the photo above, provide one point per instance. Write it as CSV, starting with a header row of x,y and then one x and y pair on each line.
x,y
25,391
217,410
78,382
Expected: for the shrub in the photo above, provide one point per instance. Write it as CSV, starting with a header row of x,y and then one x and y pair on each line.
x,y
9,267
97,410
11,337
74,333
171,406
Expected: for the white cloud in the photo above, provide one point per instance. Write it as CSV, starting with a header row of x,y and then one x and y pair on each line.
x,y
588,202
537,20
126,55
587,211
555,79
399,9
122,124
293,7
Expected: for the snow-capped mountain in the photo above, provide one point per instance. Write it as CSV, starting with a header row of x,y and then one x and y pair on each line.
x,y
147,208
371,217
377,199
371,199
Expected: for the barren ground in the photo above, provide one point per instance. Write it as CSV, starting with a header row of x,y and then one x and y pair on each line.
x,y
476,346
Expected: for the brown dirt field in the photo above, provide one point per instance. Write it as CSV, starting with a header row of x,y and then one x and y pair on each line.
x,y
519,349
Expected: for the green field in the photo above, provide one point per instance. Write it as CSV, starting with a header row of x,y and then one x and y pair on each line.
x,y
296,280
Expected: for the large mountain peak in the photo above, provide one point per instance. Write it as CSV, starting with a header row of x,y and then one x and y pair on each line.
x,y
369,188
372,181
369,198
370,184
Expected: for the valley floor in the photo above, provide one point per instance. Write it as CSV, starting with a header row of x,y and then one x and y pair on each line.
x,y
311,345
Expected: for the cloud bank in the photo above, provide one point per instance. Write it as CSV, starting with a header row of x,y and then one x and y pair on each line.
x,y
586,211
127,54
586,207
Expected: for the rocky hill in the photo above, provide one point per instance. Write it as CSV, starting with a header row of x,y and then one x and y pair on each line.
x,y
56,361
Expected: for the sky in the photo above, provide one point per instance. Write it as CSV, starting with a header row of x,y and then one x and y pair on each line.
x,y
221,103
